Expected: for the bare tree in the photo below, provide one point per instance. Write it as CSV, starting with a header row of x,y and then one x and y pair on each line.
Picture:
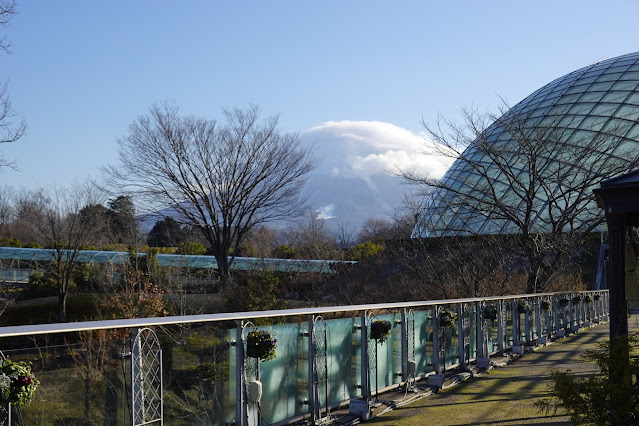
x,y
376,229
7,12
28,208
11,126
406,216
313,239
458,267
6,204
61,228
529,180
344,234
224,179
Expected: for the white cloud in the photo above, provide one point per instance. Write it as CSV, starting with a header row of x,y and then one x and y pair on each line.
x,y
326,212
366,148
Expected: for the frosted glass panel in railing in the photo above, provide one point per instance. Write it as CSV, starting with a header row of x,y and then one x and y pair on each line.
x,y
383,358
396,334
491,331
508,335
550,317
563,309
534,320
285,378
522,327
473,333
451,349
198,375
80,383
342,361
423,342
451,341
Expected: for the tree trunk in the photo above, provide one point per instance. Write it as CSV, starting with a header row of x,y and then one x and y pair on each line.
x,y
531,282
62,302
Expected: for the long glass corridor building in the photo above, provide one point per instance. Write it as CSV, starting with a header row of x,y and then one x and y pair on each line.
x,y
582,123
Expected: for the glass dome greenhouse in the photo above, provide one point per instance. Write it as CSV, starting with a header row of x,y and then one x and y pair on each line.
x,y
570,134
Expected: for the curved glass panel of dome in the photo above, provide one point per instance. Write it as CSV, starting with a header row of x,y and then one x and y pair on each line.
x,y
595,107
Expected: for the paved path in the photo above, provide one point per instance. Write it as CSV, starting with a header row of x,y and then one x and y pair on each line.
x,y
504,396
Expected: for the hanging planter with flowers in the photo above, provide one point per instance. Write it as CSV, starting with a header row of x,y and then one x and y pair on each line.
x,y
563,301
490,312
447,319
588,298
522,306
380,330
597,297
576,299
545,305
260,344
17,382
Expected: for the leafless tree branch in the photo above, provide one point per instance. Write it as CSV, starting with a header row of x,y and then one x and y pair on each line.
x,y
225,179
534,179
12,127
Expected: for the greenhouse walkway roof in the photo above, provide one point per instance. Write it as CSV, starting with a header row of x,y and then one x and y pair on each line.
x,y
181,261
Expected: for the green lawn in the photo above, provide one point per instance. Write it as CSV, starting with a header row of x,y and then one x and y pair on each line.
x,y
506,395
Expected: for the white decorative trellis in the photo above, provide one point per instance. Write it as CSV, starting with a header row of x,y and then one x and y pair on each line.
x,y
320,367
146,379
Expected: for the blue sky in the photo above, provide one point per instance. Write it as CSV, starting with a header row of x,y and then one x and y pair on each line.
x,y
81,71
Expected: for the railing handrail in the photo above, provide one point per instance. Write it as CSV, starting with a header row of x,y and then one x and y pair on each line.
x,y
54,328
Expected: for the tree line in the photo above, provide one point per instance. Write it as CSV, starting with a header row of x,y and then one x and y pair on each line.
x,y
65,221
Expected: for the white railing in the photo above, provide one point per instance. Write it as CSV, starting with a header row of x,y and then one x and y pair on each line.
x,y
208,378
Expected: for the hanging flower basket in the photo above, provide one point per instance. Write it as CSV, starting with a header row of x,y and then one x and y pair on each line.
x,y
563,301
447,319
261,345
597,297
545,305
490,312
17,382
576,299
522,306
380,330
588,298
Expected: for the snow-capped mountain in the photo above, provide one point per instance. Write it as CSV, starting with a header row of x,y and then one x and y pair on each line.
x,y
354,179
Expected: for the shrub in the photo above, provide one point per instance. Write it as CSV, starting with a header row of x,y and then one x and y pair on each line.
x,y
380,330
32,245
600,399
362,251
41,284
261,345
523,306
191,248
115,247
283,252
255,293
447,319
10,242
490,312
244,250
